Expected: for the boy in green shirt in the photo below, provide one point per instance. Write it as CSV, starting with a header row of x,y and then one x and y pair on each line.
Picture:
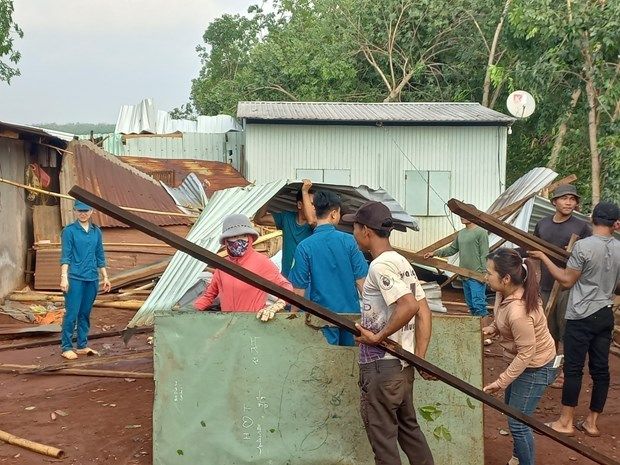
x,y
472,245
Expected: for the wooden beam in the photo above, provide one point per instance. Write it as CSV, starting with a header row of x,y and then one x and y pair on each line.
x,y
56,341
507,231
567,180
35,369
339,320
440,264
555,291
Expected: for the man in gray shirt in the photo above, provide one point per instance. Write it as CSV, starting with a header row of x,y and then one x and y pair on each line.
x,y
593,274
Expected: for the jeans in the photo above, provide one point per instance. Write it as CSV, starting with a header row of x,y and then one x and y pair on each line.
x,y
79,301
476,297
524,393
386,406
338,337
591,336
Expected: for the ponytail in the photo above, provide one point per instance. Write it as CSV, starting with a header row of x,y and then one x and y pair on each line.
x,y
508,262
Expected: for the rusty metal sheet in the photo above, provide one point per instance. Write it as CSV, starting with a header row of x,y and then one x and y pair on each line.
x,y
219,175
91,168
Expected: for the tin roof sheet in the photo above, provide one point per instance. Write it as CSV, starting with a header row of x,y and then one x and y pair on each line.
x,y
219,175
146,118
110,178
404,113
184,270
190,196
63,136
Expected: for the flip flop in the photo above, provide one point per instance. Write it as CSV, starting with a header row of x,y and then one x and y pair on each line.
x,y
87,351
69,355
580,425
550,425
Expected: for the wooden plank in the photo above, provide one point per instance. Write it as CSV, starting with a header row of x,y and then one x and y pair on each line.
x,y
56,341
440,264
46,223
339,320
555,291
507,231
28,369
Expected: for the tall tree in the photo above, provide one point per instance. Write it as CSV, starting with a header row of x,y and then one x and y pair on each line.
x,y
9,30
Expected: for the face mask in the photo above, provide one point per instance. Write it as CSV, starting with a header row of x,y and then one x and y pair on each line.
x,y
237,248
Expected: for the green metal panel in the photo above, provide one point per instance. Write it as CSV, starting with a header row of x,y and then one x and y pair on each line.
x,y
232,390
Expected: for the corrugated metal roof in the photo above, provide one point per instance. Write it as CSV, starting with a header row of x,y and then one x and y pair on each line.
x,y
99,172
184,270
146,118
218,174
63,136
190,196
405,113
352,199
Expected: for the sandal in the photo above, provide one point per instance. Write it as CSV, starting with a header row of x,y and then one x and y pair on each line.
x,y
87,351
580,425
69,355
550,425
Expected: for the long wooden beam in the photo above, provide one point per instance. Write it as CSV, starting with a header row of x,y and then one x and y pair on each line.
x,y
439,263
339,320
502,213
507,231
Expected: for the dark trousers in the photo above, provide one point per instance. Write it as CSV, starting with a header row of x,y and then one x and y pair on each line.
x,y
386,406
591,336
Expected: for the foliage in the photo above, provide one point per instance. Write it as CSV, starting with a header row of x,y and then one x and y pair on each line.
x,y
431,50
79,128
9,30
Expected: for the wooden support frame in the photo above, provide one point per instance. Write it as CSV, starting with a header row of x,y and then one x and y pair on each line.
x,y
342,322
507,231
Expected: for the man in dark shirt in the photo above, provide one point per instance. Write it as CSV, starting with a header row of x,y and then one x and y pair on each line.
x,y
557,229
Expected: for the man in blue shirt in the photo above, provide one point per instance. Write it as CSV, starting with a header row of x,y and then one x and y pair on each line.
x,y
81,260
296,226
330,266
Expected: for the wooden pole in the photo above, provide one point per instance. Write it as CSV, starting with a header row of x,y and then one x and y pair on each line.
x,y
68,197
31,445
507,231
440,264
336,319
555,291
35,369
56,341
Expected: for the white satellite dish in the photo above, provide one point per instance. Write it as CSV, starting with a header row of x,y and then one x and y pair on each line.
x,y
521,104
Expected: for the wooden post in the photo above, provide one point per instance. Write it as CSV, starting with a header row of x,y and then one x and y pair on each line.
x,y
555,291
341,321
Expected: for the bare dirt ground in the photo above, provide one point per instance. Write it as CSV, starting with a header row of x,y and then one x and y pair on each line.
x,y
110,420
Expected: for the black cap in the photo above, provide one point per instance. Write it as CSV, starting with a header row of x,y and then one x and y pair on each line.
x,y
565,189
375,215
606,212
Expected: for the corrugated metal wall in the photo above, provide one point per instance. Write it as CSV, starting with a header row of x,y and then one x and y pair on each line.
x,y
15,214
475,155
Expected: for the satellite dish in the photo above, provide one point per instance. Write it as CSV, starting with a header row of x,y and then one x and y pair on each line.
x,y
521,104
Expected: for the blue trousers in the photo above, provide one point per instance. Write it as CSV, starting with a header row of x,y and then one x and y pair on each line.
x,y
79,301
475,296
524,393
338,337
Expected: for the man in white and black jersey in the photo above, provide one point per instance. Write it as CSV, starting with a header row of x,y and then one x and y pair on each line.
x,y
393,302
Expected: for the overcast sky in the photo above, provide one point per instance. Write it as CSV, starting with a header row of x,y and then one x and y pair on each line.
x,y
83,59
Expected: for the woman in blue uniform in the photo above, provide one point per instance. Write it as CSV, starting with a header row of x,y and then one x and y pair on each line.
x,y
81,260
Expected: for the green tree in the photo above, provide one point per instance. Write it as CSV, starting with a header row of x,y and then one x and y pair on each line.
x,y
9,30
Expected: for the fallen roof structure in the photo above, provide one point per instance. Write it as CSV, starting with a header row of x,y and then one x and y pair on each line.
x,y
184,270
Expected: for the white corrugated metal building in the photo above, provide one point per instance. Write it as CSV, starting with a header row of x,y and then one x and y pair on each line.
x,y
423,154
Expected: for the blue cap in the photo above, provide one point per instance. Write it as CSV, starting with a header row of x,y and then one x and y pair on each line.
x,y
81,206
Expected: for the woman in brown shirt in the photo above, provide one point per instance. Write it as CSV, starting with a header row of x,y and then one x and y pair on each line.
x,y
521,323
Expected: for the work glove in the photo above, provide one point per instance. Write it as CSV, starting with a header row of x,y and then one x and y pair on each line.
x,y
269,312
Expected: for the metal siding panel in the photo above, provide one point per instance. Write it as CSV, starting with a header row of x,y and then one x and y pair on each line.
x,y
371,153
